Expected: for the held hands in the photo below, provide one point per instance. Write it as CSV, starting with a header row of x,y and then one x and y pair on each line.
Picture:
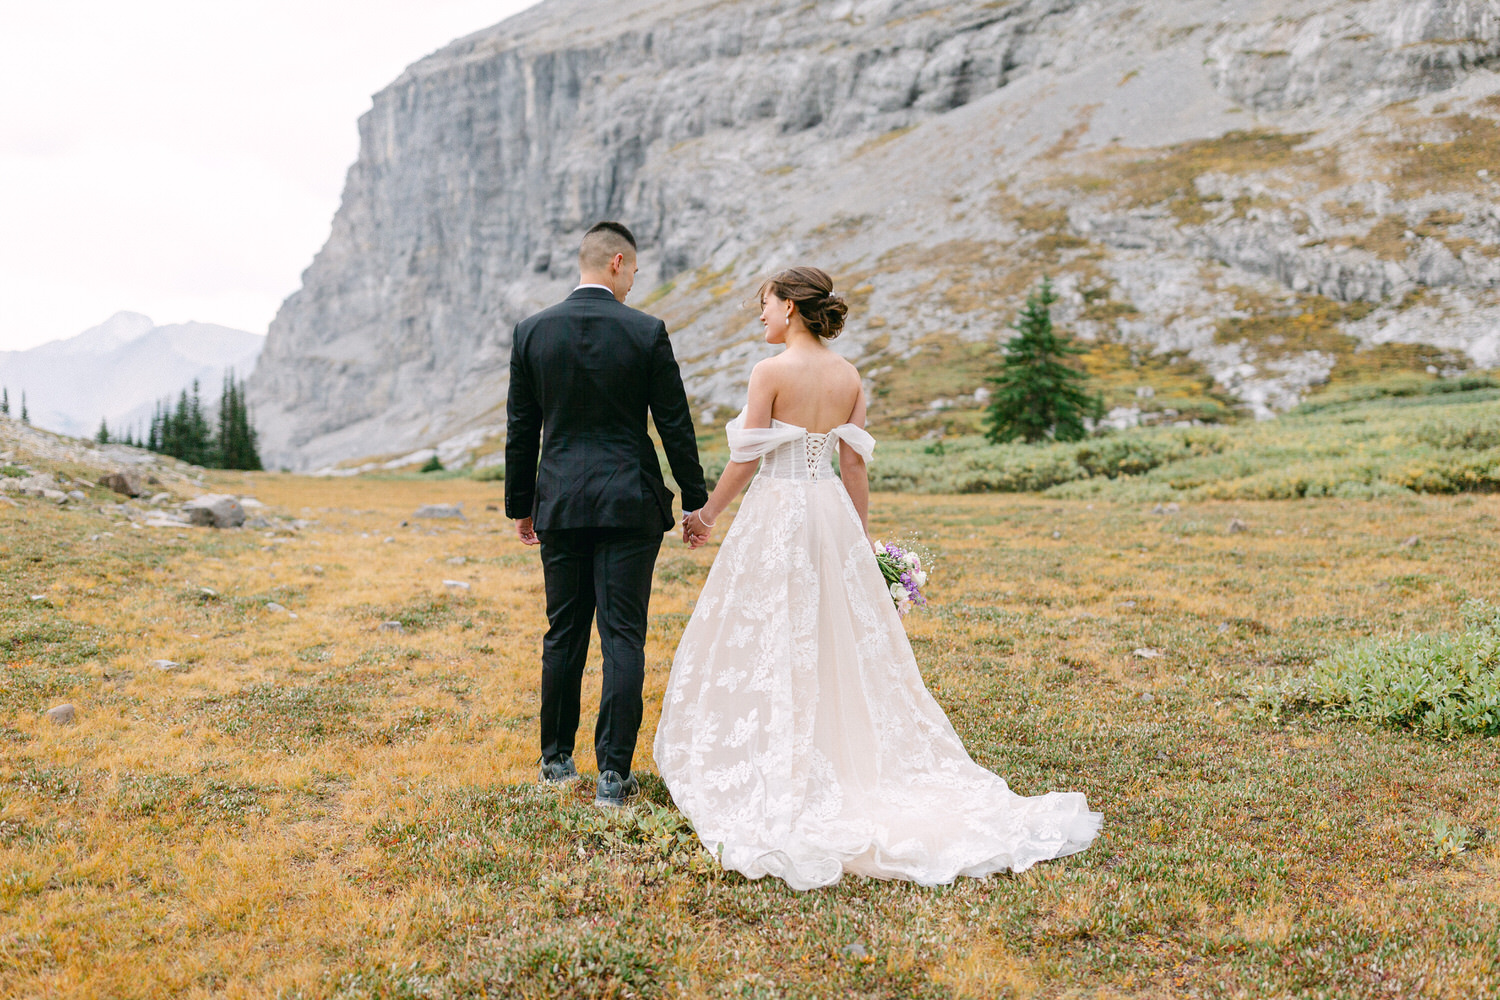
x,y
695,529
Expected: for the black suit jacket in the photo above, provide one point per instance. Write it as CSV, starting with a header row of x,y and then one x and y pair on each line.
x,y
583,375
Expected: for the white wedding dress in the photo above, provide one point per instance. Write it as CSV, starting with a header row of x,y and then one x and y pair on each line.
x,y
796,733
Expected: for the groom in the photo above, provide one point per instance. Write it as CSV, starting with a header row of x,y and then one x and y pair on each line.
x,y
583,375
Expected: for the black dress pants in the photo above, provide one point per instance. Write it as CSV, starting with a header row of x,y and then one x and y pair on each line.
x,y
608,571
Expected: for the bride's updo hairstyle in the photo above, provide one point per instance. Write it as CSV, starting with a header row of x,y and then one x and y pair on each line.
x,y
812,290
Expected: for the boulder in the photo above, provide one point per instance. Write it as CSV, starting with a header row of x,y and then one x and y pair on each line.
x,y
215,510
38,486
438,510
62,715
126,482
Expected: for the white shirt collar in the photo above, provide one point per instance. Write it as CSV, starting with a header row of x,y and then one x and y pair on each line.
x,y
591,285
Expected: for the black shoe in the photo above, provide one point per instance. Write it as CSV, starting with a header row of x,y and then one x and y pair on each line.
x,y
614,790
559,770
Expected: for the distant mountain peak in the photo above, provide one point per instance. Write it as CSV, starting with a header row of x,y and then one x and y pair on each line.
x,y
119,369
115,332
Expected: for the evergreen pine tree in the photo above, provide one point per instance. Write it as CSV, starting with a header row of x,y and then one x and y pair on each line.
x,y
25,417
175,427
102,434
235,441
4,401
1036,394
199,444
154,435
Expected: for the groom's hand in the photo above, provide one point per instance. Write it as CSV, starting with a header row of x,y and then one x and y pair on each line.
x,y
526,533
695,530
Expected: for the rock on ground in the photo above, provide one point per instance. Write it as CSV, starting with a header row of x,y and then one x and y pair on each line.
x,y
439,510
215,510
124,481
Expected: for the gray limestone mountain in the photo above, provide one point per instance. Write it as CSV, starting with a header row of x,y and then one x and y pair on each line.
x,y
119,369
1237,199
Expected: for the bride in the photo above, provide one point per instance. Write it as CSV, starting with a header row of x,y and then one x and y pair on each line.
x,y
796,733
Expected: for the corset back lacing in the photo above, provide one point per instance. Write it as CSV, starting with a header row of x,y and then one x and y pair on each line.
x,y
806,458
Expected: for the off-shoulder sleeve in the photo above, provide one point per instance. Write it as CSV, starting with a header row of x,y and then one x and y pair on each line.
x,y
746,444
857,438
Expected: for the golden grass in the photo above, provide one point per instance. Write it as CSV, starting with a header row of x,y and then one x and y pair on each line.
x,y
314,807
1452,163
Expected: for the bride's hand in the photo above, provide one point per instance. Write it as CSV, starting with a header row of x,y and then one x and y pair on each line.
x,y
695,529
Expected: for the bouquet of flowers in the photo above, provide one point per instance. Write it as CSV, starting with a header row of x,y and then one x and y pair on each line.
x,y
903,571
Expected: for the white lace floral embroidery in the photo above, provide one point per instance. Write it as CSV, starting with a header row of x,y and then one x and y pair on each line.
x,y
837,759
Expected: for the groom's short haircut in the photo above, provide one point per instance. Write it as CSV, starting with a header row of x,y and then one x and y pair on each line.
x,y
602,242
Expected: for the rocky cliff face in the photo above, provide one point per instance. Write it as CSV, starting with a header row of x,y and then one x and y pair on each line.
x,y
1241,197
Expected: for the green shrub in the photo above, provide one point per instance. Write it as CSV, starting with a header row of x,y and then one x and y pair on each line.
x,y
1463,383
1474,435
432,465
1133,455
1399,386
1442,684
1452,473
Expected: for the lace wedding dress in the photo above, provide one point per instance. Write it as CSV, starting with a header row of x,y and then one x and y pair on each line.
x,y
796,733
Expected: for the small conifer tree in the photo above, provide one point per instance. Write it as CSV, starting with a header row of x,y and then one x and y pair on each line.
x,y
4,402
25,417
432,465
102,434
235,442
1037,395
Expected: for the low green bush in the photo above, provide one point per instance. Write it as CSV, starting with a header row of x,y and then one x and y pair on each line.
x,y
1399,386
1442,684
1474,435
1452,473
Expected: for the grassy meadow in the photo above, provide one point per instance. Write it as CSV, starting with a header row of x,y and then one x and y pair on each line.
x,y
308,805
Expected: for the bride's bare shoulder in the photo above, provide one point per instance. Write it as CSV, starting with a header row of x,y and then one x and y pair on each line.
x,y
767,370
849,369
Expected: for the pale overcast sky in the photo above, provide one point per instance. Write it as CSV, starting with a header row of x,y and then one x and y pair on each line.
x,y
183,158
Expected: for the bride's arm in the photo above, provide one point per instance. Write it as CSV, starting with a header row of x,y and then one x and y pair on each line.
x,y
737,475
854,472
